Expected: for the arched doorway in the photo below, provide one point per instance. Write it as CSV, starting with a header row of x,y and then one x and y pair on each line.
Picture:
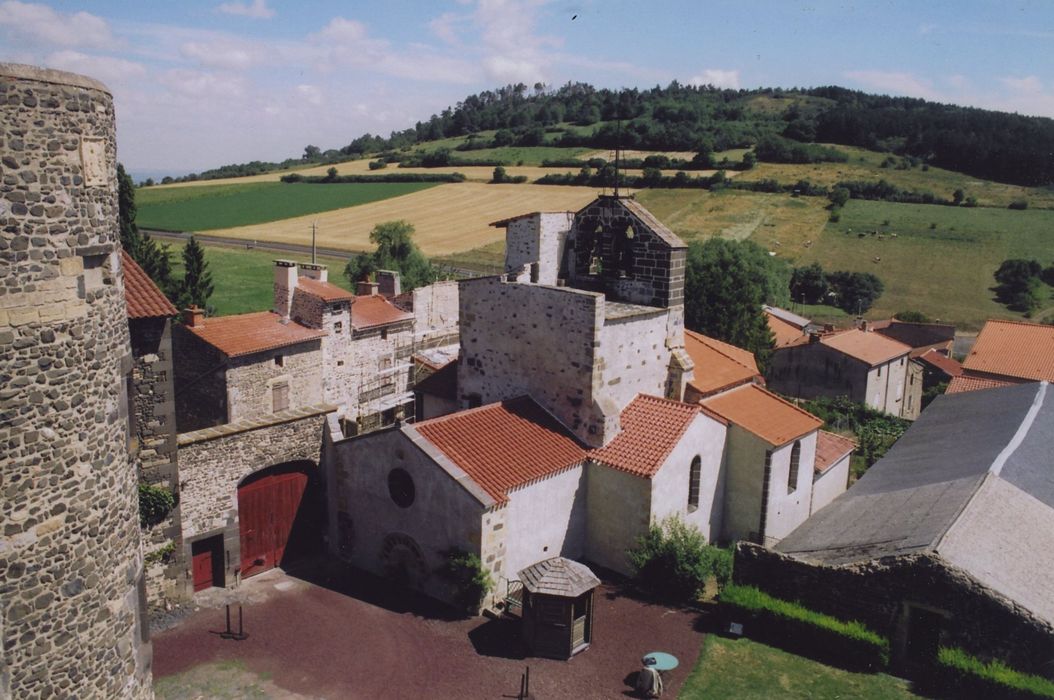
x,y
279,516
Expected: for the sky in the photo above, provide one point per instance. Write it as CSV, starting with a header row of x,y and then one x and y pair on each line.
x,y
202,83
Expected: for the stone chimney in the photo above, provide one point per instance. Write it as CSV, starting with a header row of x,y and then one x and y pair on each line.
x,y
193,317
388,283
365,288
285,274
315,272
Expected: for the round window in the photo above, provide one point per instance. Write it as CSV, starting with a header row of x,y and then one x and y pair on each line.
x,y
401,488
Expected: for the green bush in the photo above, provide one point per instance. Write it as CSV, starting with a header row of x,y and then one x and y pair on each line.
x,y
469,580
875,431
155,503
992,679
387,177
673,560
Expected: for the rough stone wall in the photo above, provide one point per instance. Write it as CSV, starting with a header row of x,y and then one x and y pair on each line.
x,y
251,379
200,382
155,423
539,238
72,592
383,373
521,339
878,594
886,384
912,406
813,369
435,309
214,461
633,358
337,368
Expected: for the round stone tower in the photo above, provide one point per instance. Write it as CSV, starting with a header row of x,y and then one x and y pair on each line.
x,y
71,567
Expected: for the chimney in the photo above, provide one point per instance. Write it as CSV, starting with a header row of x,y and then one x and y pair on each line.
x,y
388,283
315,272
193,317
285,273
365,288
814,336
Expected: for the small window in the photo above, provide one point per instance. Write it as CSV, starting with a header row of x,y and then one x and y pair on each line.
x,y
279,397
401,487
338,327
279,360
384,334
475,400
792,473
340,363
694,477
880,370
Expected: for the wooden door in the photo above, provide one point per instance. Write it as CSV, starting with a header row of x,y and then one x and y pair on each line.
x,y
202,565
267,510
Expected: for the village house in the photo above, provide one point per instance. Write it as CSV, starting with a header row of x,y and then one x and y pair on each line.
x,y
948,540
920,337
787,327
864,366
1007,353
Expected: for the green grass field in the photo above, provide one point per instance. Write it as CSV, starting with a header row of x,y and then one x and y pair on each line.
x,y
224,206
528,155
746,670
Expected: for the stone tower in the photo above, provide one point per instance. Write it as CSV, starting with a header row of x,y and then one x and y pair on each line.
x,y
72,594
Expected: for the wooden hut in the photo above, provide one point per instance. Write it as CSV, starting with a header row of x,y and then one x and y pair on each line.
x,y
558,607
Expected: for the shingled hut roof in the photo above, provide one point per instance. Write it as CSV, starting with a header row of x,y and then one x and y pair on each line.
x,y
559,577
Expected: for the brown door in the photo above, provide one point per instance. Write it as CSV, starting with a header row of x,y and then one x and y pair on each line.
x,y
267,509
203,564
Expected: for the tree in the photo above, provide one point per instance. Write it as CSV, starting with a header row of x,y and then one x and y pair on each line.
x,y
499,174
958,196
312,152
725,288
855,292
912,317
673,561
395,250
1020,284
839,196
809,284
196,287
153,257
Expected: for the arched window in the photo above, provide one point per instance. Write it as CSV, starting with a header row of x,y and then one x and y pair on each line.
x,y
792,473
694,476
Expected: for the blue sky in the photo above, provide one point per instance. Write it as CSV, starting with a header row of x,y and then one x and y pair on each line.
x,y
202,83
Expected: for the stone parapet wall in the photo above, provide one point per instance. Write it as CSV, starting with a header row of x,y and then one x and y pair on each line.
x,y
72,592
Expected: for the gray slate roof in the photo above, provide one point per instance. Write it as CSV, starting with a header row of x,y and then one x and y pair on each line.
x,y
972,481
559,577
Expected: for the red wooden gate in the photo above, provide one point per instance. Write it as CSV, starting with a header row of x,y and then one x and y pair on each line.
x,y
267,509
202,553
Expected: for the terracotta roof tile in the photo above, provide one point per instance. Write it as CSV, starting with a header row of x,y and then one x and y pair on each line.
x,y
504,445
764,414
371,310
651,428
718,365
872,348
1014,349
245,334
942,362
830,448
143,298
784,333
326,291
964,383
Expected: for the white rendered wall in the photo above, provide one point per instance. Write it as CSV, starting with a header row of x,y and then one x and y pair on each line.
x,y
827,486
546,519
705,437
788,509
619,513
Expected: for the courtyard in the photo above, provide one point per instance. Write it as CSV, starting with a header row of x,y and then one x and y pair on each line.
x,y
330,632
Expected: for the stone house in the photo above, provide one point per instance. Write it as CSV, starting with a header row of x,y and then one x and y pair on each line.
x,y
948,540
865,366
788,328
1007,353
921,337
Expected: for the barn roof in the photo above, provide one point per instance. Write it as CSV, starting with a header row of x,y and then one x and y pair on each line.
x,y
559,577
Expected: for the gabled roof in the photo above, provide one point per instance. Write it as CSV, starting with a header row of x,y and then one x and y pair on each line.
x,y
784,332
917,335
870,348
649,220
718,365
964,383
559,577
372,310
245,334
764,414
651,428
830,448
789,317
505,445
326,291
942,362
142,296
1013,349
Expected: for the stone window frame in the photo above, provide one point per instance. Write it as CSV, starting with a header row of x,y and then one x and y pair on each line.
x,y
338,327
695,475
276,387
792,471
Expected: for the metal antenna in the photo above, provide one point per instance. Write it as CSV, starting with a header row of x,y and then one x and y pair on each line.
x,y
618,142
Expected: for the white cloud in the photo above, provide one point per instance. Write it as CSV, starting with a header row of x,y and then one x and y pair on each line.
x,y
1028,84
511,70
223,52
444,27
310,94
41,23
257,9
200,84
717,77
343,31
105,68
894,83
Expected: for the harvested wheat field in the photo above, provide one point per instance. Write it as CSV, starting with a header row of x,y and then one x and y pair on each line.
x,y
448,218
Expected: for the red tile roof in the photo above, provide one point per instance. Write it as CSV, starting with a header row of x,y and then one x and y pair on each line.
x,y
325,291
964,383
143,298
940,361
764,414
505,445
784,333
651,428
830,448
245,334
872,348
372,310
1014,349
718,365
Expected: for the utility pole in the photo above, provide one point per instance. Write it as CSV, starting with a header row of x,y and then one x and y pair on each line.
x,y
313,226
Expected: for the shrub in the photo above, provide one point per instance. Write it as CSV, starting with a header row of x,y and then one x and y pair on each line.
x,y
155,503
499,175
673,560
378,164
972,676
1019,204
797,628
468,579
912,317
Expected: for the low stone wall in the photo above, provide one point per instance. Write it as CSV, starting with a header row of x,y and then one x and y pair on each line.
x,y
879,594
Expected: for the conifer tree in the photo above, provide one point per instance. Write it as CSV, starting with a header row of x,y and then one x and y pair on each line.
x,y
196,287
153,257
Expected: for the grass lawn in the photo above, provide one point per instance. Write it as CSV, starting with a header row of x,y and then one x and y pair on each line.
x,y
529,155
746,670
223,206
